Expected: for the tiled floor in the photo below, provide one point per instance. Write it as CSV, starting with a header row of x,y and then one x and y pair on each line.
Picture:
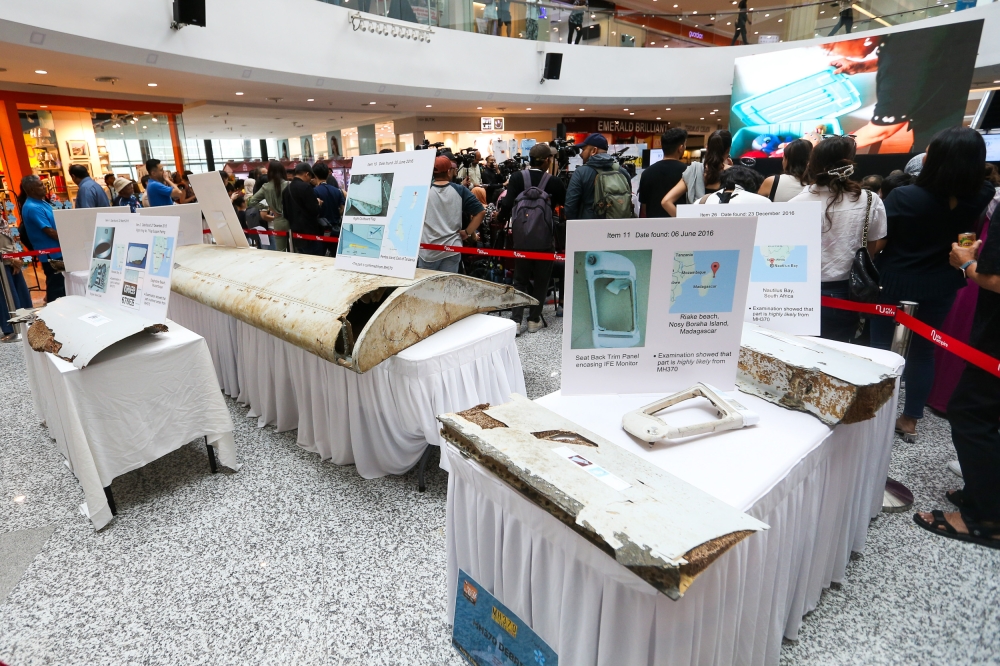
x,y
297,561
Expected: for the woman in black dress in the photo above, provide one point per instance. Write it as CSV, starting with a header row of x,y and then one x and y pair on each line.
x,y
924,219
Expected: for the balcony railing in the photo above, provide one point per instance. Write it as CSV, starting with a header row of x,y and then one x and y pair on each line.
x,y
602,24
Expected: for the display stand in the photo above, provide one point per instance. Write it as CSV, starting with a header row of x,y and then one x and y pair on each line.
x,y
817,488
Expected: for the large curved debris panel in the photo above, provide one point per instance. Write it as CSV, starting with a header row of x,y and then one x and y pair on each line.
x,y
353,319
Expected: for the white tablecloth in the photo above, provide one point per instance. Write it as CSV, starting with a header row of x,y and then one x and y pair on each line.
x,y
381,420
76,283
137,401
817,487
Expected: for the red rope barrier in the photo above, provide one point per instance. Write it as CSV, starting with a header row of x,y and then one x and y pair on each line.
x,y
943,340
31,253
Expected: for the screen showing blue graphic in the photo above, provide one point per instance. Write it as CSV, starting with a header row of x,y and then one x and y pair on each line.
x,y
488,633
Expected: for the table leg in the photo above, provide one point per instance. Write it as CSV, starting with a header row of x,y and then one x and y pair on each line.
x,y
111,501
421,485
211,456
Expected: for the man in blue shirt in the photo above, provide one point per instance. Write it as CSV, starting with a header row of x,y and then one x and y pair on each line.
x,y
40,228
90,195
160,190
332,208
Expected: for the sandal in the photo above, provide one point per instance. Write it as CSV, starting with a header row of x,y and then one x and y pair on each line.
x,y
958,498
908,437
979,533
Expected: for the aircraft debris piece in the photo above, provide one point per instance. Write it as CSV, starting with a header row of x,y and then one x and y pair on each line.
x,y
356,320
661,528
77,329
798,373
644,424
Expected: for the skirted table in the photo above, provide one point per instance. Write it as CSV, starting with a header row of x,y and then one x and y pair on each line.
x,y
381,421
135,402
816,486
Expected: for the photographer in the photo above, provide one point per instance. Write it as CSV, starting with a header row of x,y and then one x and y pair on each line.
x,y
471,173
533,195
492,179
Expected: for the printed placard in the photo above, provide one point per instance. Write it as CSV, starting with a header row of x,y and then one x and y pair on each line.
x,y
131,263
654,308
487,632
786,270
384,214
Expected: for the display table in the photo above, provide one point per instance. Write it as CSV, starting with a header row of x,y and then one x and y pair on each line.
x,y
382,420
817,487
135,402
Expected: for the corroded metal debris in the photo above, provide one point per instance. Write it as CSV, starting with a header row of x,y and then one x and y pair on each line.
x,y
797,373
663,529
353,319
77,329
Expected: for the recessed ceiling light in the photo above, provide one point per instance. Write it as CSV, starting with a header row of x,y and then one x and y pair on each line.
x,y
780,20
528,109
766,15
659,118
40,71
144,127
993,82
372,103
151,85
43,106
667,109
155,120
632,113
310,100
695,11
702,118
624,109
428,106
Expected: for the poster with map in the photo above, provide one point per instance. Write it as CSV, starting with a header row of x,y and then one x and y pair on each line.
x,y
785,270
384,213
131,263
654,308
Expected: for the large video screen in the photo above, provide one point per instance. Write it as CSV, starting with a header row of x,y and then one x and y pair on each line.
x,y
893,92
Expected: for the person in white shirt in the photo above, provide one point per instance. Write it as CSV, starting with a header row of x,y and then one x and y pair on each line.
x,y
845,208
737,185
791,181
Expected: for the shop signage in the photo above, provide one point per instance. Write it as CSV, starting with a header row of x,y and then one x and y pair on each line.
x,y
487,632
694,34
767,39
491,123
700,129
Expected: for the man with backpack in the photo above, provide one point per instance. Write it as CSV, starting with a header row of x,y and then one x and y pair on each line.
x,y
533,195
600,188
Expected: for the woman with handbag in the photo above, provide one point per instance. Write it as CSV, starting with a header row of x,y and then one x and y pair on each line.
x,y
853,231
948,198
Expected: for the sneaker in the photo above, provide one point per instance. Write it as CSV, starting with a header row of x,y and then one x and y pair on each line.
x,y
955,468
534,326
13,337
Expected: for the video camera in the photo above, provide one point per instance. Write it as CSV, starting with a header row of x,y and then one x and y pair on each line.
x,y
465,157
511,165
565,149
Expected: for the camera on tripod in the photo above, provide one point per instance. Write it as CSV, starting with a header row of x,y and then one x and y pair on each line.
x,y
465,157
565,149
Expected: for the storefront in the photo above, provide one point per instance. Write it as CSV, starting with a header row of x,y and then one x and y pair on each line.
x,y
45,135
503,139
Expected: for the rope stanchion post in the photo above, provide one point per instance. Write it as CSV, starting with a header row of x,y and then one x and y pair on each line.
x,y
897,498
901,336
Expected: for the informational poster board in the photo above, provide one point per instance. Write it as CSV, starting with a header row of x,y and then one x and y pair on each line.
x,y
131,263
654,308
384,214
487,632
218,209
76,231
785,273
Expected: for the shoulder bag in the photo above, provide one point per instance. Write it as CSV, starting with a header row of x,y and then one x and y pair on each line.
x,y
863,283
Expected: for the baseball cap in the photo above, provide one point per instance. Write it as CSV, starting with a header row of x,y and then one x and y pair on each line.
x,y
596,140
442,164
120,184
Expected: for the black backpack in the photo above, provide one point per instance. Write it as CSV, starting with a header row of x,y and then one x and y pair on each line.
x,y
531,218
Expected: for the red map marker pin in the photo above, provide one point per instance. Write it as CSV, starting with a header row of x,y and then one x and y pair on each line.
x,y
715,268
